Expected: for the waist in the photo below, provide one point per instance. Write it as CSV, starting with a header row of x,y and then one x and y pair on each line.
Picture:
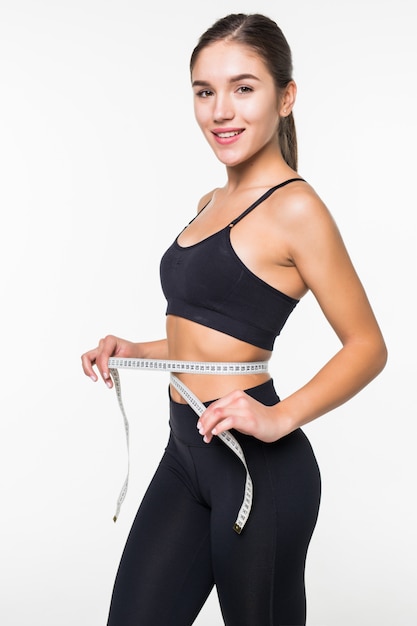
x,y
209,387
189,340
180,366
182,417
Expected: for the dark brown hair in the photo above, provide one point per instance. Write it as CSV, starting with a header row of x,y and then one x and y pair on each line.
x,y
265,37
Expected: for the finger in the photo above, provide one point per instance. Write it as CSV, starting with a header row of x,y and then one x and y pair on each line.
x,y
88,360
106,348
220,427
215,412
209,419
99,357
231,398
225,419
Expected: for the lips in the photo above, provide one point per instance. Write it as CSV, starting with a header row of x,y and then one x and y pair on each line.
x,y
227,132
230,133
227,135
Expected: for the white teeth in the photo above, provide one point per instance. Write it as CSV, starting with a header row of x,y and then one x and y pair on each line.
x,y
229,134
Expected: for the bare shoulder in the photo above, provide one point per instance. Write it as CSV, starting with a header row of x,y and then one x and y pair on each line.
x,y
299,202
204,200
304,217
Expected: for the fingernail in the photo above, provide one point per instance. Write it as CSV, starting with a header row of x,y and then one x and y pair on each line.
x,y
205,439
93,378
108,384
105,375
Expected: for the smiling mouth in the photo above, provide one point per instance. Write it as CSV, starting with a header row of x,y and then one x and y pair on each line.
x,y
228,134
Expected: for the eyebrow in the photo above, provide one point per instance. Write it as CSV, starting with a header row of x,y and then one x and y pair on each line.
x,y
233,79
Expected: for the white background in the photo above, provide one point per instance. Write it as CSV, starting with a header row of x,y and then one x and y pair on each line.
x,y
101,164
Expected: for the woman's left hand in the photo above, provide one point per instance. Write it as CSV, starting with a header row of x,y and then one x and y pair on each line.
x,y
239,411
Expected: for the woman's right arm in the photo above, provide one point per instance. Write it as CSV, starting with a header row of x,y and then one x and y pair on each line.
x,y
115,346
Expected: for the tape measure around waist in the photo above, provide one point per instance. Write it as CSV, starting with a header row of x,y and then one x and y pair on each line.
x,y
192,367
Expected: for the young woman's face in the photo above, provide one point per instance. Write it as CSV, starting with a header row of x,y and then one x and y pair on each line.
x,y
235,102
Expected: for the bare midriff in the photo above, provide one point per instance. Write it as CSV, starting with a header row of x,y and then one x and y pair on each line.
x,y
189,341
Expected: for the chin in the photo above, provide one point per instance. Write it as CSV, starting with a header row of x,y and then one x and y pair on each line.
x,y
231,160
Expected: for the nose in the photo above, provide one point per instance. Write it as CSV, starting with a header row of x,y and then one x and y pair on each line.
x,y
223,108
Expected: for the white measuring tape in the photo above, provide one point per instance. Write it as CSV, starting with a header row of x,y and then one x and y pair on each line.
x,y
192,367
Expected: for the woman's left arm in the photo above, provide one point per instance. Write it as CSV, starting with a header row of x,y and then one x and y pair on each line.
x,y
317,251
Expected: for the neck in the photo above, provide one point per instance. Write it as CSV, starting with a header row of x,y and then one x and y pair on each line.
x,y
264,170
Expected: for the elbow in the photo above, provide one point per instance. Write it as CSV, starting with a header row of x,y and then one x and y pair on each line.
x,y
371,356
383,355
380,356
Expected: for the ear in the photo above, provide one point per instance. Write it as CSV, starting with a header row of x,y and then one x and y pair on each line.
x,y
288,99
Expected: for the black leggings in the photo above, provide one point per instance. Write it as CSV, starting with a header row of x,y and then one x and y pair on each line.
x,y
182,542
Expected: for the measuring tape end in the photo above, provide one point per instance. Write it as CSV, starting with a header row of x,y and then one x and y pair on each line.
x,y
238,529
115,519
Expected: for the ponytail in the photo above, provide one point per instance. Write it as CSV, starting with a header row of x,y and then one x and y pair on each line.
x,y
287,138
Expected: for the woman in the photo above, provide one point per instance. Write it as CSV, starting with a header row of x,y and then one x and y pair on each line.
x,y
231,279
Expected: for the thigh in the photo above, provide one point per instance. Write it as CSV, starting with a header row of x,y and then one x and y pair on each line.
x,y
165,573
260,573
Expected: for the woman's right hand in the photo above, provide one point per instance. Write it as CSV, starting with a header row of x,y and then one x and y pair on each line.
x,y
98,357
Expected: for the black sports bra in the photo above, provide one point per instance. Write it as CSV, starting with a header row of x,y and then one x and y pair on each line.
x,y
207,283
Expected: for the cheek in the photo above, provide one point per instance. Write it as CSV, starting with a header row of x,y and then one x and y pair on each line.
x,y
268,119
263,115
201,114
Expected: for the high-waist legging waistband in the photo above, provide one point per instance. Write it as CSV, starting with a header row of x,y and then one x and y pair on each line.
x,y
182,417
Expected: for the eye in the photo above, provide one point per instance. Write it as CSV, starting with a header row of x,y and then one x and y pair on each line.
x,y
204,93
244,89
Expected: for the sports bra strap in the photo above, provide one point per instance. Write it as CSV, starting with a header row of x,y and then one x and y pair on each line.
x,y
262,198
